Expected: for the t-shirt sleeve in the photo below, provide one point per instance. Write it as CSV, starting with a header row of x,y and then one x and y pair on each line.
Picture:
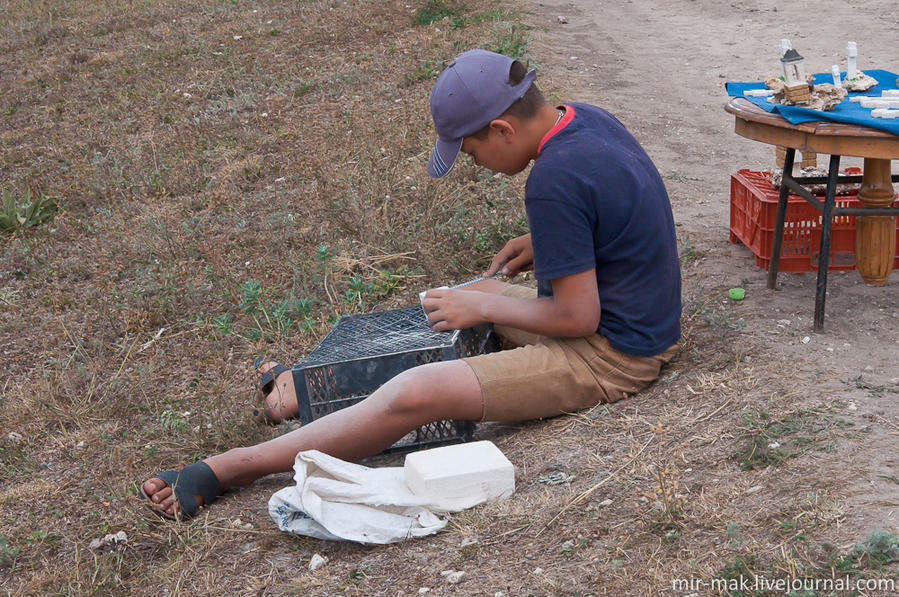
x,y
562,237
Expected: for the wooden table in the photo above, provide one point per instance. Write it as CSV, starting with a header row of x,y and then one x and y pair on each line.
x,y
875,223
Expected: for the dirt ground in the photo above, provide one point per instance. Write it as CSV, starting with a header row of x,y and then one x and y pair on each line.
x,y
231,176
661,67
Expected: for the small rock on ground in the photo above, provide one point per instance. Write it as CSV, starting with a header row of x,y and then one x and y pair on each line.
x,y
110,539
317,562
453,576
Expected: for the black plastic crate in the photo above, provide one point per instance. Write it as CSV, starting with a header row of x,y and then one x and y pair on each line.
x,y
363,351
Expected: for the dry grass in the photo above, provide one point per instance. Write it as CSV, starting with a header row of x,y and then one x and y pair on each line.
x,y
230,175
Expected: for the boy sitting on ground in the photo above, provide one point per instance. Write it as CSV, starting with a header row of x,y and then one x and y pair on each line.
x,y
604,319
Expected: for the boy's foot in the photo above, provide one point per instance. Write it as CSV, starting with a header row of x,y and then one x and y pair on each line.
x,y
182,494
279,396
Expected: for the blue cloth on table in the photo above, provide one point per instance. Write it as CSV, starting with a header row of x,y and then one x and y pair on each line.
x,y
846,112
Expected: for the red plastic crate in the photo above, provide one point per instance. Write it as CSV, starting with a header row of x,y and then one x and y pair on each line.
x,y
753,213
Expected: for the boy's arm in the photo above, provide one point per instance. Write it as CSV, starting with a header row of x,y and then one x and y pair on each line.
x,y
515,256
572,311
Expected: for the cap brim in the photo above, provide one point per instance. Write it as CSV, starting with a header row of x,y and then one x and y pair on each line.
x,y
443,158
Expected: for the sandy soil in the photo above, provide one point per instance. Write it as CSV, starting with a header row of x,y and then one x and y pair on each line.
x,y
661,68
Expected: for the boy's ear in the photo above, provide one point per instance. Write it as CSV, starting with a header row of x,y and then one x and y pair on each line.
x,y
505,127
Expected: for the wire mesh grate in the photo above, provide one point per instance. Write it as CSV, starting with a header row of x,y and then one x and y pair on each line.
x,y
363,351
375,334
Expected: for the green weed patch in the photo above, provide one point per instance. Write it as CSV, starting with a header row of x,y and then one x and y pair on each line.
x,y
769,440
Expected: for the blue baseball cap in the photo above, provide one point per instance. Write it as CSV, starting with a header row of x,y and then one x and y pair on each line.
x,y
472,91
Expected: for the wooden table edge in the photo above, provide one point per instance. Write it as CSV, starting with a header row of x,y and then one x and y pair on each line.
x,y
753,122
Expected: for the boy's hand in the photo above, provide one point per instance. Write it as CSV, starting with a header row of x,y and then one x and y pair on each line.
x,y
516,256
449,309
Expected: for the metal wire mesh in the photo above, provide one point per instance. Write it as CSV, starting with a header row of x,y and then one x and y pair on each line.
x,y
363,351
375,334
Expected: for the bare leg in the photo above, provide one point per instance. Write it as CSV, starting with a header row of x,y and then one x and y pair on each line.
x,y
281,402
432,392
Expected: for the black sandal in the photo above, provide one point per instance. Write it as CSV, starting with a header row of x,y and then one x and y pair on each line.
x,y
265,387
267,382
194,479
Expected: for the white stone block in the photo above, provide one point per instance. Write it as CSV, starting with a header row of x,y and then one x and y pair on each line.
x,y
460,476
890,93
758,92
884,113
892,102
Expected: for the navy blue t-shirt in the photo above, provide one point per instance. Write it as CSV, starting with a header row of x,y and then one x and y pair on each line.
x,y
595,199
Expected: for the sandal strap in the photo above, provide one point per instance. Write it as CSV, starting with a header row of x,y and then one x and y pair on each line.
x,y
269,377
193,479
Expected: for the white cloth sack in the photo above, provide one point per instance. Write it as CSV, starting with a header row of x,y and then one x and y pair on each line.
x,y
333,499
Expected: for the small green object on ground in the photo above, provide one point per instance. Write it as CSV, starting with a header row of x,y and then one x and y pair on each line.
x,y
736,294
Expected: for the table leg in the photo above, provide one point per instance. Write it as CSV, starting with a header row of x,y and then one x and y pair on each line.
x,y
777,242
875,236
824,251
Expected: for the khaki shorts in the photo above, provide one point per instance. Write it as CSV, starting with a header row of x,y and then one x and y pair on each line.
x,y
543,377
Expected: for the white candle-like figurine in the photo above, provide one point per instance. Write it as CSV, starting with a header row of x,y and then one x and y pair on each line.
x,y
785,45
851,60
836,75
